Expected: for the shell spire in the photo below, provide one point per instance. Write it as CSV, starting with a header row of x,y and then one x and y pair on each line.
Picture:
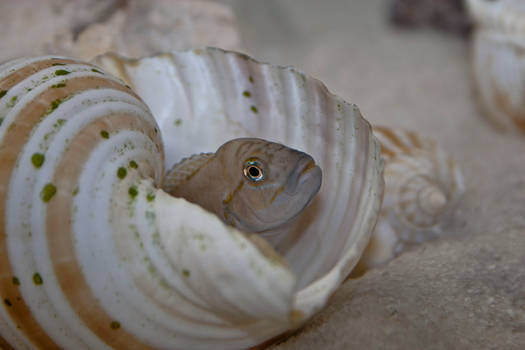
x,y
422,188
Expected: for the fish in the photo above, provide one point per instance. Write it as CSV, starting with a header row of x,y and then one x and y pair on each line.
x,y
251,184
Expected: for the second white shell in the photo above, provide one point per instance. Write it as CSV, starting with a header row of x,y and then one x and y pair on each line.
x,y
422,188
498,61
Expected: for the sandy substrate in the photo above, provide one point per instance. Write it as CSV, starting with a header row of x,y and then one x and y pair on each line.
x,y
466,290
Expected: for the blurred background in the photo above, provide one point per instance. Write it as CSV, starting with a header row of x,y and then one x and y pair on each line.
x,y
404,62
393,72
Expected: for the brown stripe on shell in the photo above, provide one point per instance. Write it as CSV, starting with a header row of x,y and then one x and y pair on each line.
x,y
392,137
414,139
4,345
385,151
120,66
10,146
502,100
20,74
60,237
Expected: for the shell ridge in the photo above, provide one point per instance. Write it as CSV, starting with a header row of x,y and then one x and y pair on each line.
x,y
349,190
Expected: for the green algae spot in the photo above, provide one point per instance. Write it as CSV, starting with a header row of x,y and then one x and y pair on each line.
x,y
250,78
12,102
246,93
339,108
48,192
186,273
254,109
75,191
114,325
178,122
2,93
62,72
150,197
96,71
122,172
7,302
104,134
58,64
129,87
55,104
133,192
1,120
15,281
133,164
59,85
164,284
60,122
37,159
37,279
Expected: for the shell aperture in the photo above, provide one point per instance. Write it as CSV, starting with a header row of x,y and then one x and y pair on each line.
x,y
252,184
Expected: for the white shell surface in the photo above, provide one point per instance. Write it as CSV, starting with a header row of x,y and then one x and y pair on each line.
x,y
498,48
422,188
96,256
204,97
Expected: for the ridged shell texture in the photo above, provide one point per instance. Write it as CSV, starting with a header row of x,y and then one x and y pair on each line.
x,y
95,255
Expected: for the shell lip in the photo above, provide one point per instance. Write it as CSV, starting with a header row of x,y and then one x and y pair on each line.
x,y
133,61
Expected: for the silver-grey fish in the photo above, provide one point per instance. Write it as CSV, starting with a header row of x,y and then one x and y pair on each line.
x,y
252,184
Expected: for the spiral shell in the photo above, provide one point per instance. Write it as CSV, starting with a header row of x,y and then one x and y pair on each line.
x,y
95,255
498,48
422,188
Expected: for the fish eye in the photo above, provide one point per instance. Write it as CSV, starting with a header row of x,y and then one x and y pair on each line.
x,y
253,171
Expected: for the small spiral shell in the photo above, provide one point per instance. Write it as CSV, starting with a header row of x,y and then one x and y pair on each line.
x,y
422,188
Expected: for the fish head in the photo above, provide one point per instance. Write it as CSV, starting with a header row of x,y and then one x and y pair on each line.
x,y
273,183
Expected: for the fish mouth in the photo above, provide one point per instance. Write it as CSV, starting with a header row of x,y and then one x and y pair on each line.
x,y
305,171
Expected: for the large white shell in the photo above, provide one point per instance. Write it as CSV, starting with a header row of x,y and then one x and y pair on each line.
x,y
498,60
125,265
422,188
